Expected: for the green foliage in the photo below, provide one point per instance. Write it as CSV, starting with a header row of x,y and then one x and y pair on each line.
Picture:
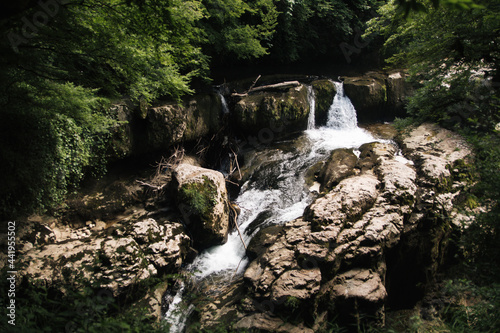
x,y
41,309
56,82
238,29
201,197
453,59
474,308
309,29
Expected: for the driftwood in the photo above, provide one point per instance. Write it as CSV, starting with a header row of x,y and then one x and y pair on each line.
x,y
236,224
282,85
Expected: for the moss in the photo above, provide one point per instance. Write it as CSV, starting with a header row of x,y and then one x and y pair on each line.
x,y
200,197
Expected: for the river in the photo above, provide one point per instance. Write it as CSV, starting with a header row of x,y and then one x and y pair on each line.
x,y
276,191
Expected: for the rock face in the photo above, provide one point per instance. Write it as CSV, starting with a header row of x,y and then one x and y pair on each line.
x,y
170,123
378,95
202,199
380,232
267,114
272,112
132,253
324,91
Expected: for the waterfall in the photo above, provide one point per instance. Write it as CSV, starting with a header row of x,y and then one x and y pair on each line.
x,y
311,121
341,114
274,193
225,108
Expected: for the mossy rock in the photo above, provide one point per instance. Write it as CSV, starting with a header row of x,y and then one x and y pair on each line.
x,y
276,113
202,200
200,197
324,91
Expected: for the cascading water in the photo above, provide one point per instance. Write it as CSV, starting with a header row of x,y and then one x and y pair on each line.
x,y
341,114
225,107
276,192
311,121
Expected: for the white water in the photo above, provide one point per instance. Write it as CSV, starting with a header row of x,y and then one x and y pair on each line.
x,y
311,121
225,107
342,114
275,192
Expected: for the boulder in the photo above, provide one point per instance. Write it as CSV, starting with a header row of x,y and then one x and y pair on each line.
x,y
435,150
297,284
361,289
272,113
368,94
378,96
339,165
345,203
203,202
398,90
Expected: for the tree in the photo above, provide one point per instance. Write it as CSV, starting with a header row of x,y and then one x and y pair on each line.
x,y
310,29
453,55
238,29
60,66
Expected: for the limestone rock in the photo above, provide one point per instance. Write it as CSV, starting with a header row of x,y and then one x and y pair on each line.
x,y
361,284
368,94
115,263
346,202
202,200
433,149
172,122
339,165
166,246
267,323
299,284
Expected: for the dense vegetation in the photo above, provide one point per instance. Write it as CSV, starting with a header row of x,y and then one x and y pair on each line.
x,y
452,51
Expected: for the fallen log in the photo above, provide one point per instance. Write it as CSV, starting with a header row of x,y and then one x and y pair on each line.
x,y
282,85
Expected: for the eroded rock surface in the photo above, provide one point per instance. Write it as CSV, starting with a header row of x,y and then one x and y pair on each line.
x,y
131,254
386,219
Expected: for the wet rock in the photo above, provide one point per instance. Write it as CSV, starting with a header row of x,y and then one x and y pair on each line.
x,y
203,202
378,95
368,94
339,165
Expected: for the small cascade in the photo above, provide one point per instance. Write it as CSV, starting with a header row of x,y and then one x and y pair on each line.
x,y
341,114
225,107
311,97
